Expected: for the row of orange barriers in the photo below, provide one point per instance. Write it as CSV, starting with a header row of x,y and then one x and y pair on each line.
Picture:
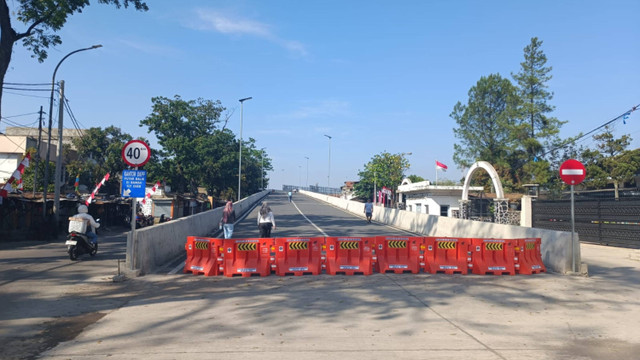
x,y
362,255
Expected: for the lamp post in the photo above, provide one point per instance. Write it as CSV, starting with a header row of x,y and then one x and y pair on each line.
x,y
307,185
56,200
240,152
262,172
329,173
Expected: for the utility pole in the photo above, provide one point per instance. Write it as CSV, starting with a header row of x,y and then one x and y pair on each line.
x,y
56,181
35,169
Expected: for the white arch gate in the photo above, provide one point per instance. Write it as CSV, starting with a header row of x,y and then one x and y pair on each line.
x,y
501,204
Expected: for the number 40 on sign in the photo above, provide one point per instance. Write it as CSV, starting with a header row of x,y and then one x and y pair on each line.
x,y
136,153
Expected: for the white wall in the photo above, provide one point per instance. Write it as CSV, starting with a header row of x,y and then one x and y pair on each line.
x,y
159,244
555,249
434,203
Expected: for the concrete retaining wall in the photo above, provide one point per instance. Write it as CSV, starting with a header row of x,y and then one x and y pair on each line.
x,y
159,244
556,245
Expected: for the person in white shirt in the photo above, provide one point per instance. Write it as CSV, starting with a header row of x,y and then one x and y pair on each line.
x,y
83,213
266,222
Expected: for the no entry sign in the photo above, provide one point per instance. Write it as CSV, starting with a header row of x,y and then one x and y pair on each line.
x,y
572,172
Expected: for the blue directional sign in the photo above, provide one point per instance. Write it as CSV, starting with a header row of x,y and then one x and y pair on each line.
x,y
133,183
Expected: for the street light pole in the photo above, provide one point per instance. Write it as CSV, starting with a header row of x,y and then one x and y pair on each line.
x,y
306,157
46,168
329,173
262,171
240,152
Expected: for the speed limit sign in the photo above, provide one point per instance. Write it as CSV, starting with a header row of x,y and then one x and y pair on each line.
x,y
136,153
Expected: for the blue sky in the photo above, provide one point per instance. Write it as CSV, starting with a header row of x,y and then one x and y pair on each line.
x,y
375,75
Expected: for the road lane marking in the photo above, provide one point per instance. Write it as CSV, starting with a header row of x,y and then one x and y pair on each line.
x,y
310,222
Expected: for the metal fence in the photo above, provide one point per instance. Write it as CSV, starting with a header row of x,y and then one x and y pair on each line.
x,y
606,222
317,189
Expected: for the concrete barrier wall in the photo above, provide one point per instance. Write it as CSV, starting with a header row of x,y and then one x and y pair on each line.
x,y
156,245
556,245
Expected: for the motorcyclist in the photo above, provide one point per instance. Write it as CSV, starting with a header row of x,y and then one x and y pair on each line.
x,y
83,213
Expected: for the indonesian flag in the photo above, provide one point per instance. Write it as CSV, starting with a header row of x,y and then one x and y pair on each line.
x,y
441,166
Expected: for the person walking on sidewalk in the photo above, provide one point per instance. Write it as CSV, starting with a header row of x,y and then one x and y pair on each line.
x,y
228,218
368,210
266,222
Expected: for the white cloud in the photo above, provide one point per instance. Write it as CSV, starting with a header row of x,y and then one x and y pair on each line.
x,y
211,20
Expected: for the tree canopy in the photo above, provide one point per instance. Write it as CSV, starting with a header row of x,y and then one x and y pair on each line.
x,y
41,20
197,150
384,169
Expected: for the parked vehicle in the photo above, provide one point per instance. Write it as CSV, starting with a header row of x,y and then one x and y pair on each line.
x,y
78,242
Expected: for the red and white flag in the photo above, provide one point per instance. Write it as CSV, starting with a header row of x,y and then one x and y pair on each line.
x,y
441,166
95,191
153,191
17,175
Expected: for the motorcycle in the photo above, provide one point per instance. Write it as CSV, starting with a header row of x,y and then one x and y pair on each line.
x,y
78,242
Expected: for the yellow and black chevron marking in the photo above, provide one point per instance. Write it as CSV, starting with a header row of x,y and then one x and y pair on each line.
x,y
247,246
530,246
494,246
446,244
349,245
298,245
202,245
397,244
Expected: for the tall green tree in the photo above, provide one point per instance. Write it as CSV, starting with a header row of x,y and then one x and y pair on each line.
x,y
487,123
99,151
383,169
41,19
198,151
537,131
611,162
183,129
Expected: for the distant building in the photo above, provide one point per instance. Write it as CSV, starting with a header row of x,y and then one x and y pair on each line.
x,y
16,140
347,191
424,198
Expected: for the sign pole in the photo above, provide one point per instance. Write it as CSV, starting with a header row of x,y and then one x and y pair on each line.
x,y
573,172
573,230
135,153
132,232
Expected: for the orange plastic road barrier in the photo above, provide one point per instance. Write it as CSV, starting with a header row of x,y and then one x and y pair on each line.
x,y
446,255
298,256
398,254
529,257
247,257
349,255
493,256
202,256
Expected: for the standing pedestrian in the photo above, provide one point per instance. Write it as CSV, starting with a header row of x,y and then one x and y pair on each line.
x,y
228,218
266,221
368,210
290,195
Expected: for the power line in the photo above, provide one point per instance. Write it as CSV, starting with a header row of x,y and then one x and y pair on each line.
x,y
26,95
27,84
622,116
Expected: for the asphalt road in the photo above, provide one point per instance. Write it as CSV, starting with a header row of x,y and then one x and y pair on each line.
x,y
404,316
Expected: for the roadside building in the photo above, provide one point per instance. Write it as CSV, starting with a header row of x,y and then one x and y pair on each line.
x,y
424,198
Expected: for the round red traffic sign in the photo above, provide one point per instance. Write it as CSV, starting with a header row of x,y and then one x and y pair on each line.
x,y
572,172
136,153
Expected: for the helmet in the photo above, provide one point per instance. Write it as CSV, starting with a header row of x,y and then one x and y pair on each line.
x,y
83,209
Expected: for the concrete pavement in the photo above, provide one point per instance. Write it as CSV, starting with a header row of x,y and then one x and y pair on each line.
x,y
544,316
